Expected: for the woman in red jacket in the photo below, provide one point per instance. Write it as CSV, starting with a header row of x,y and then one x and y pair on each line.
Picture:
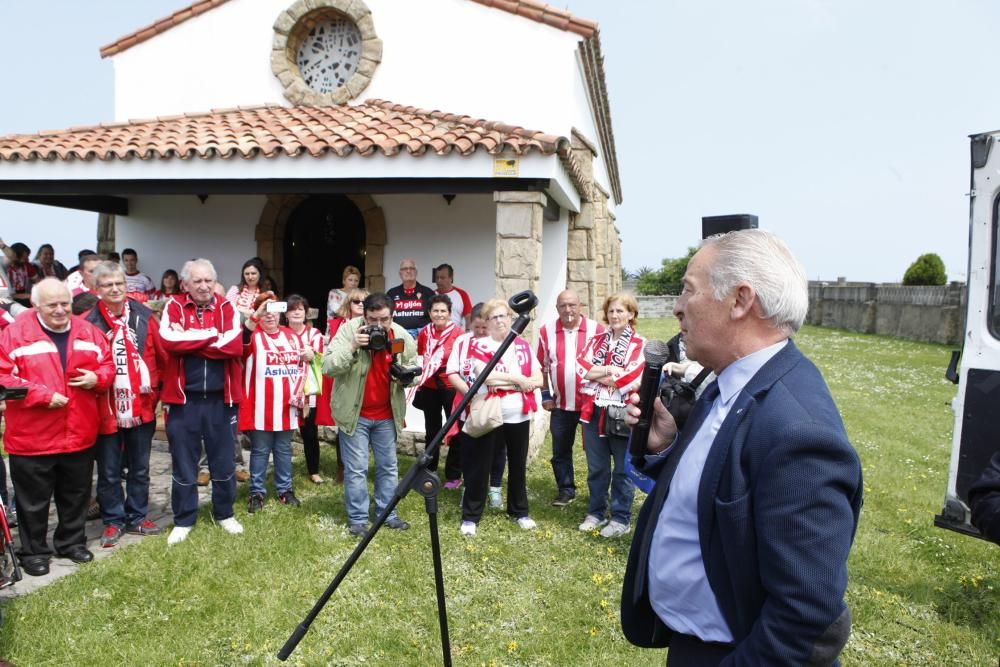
x,y
434,393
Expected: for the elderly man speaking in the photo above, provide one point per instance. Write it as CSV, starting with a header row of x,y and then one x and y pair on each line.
x,y
64,362
740,552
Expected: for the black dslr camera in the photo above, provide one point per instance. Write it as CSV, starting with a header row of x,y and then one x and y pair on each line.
x,y
378,338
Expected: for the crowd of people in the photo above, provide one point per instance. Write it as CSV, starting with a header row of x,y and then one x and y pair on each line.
x,y
740,548
247,367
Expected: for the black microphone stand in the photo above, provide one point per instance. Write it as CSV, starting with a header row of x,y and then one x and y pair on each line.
x,y
427,484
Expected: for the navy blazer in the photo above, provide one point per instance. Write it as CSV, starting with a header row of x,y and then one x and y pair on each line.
x,y
778,507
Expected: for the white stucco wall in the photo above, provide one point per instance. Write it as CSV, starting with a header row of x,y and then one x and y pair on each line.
x,y
167,231
454,55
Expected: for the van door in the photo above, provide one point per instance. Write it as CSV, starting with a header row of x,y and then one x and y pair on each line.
x,y
977,404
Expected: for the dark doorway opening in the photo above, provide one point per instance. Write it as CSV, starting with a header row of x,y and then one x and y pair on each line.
x,y
325,234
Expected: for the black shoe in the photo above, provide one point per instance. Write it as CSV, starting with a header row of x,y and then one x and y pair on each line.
x,y
36,566
288,498
256,502
78,554
396,523
563,499
357,529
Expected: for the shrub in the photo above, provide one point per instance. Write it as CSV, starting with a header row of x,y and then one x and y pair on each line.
x,y
927,270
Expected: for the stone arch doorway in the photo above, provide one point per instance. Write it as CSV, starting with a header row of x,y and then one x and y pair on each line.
x,y
299,219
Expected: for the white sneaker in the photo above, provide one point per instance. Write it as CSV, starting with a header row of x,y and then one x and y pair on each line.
x,y
592,523
527,523
614,529
178,534
231,526
468,528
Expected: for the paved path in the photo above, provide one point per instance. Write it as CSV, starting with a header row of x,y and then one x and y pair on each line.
x,y
159,511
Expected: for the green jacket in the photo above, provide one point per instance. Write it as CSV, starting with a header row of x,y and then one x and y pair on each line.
x,y
350,369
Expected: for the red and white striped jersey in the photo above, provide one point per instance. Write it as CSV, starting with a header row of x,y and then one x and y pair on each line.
x,y
557,352
271,376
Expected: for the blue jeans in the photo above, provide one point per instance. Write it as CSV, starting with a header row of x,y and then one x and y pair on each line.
x,y
381,435
601,451
130,445
562,427
262,445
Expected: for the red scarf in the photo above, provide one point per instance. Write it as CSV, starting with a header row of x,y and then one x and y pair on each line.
x,y
131,374
245,298
434,354
523,362
605,356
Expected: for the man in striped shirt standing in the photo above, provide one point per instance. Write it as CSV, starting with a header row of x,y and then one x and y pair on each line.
x,y
559,342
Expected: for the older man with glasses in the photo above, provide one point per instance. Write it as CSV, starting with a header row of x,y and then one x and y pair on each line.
x,y
128,411
410,299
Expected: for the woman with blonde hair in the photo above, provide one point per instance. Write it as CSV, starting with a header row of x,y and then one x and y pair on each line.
x,y
513,381
350,279
612,364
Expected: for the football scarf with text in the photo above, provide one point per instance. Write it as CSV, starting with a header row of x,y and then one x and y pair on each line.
x,y
131,373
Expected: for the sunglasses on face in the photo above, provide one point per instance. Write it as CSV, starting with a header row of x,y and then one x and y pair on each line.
x,y
357,302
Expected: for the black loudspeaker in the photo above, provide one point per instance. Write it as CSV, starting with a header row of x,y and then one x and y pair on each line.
x,y
721,224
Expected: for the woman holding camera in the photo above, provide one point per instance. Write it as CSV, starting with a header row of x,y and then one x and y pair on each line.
x,y
513,382
613,363
435,393
273,384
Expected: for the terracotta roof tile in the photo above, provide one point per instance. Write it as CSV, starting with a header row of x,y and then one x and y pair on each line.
x,y
532,9
375,126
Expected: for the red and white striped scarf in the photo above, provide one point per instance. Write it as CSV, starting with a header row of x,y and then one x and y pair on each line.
x,y
245,298
131,373
434,354
522,361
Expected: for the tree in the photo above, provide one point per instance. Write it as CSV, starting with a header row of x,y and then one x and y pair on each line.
x,y
668,279
927,270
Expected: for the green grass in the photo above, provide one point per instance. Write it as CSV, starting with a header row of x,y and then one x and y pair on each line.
x,y
919,595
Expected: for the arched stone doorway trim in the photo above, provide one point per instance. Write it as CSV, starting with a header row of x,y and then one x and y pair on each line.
x,y
270,235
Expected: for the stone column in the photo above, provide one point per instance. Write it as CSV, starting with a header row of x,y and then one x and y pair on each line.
x,y
519,244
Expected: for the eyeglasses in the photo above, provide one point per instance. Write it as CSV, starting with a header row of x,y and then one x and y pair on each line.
x,y
500,317
118,284
407,268
358,302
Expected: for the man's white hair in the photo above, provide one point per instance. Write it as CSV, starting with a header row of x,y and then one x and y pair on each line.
x,y
194,263
47,284
107,268
762,260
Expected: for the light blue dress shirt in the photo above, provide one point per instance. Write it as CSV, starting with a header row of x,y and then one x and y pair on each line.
x,y
678,585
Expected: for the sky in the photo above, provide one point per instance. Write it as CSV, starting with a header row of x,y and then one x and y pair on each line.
x,y
842,124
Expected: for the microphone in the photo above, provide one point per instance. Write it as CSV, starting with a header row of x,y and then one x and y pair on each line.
x,y
656,354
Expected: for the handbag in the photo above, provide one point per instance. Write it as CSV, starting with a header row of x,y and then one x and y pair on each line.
x,y
614,422
485,415
422,399
313,385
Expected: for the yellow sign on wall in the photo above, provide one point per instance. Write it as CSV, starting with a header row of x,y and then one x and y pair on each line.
x,y
505,167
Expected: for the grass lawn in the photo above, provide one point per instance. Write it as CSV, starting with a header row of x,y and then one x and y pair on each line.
x,y
919,595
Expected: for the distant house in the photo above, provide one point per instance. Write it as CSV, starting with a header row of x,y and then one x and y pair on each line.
x,y
262,128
